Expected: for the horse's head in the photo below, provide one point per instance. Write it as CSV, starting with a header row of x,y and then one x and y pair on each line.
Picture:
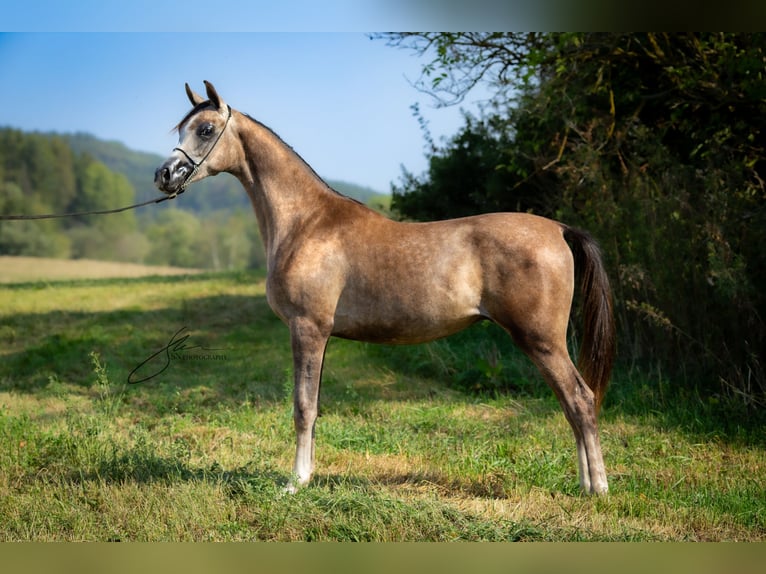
x,y
200,150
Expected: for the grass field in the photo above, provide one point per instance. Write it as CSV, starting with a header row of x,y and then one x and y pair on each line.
x,y
201,449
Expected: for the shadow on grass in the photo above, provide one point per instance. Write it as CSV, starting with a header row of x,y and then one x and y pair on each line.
x,y
231,344
140,464
136,465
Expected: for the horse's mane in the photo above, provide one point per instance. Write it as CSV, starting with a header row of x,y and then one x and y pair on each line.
x,y
289,147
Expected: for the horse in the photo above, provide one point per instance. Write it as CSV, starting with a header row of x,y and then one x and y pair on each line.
x,y
336,268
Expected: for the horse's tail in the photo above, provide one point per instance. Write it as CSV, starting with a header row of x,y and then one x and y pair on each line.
x,y
598,344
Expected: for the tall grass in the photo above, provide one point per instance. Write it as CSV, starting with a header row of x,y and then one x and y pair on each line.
x,y
457,440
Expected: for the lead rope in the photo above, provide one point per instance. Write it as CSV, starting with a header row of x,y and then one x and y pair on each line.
x,y
79,213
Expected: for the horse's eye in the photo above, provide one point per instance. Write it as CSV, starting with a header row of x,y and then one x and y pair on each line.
x,y
205,131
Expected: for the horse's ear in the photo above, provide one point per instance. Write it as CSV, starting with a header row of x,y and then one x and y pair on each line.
x,y
213,96
194,97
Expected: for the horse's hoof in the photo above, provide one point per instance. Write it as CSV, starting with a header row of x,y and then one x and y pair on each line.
x,y
598,490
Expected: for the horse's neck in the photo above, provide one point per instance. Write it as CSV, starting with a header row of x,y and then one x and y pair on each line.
x,y
284,190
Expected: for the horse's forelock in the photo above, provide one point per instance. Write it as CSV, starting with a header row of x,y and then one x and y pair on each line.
x,y
199,107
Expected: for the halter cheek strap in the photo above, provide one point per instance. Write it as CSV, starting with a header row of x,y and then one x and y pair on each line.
x,y
198,164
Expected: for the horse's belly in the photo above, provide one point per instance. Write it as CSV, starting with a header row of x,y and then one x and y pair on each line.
x,y
389,322
401,334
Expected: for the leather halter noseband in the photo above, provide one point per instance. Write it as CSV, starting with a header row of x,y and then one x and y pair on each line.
x,y
198,164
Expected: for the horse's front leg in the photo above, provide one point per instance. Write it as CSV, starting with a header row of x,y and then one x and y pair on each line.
x,y
308,344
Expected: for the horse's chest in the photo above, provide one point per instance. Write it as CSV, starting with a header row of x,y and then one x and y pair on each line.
x,y
308,292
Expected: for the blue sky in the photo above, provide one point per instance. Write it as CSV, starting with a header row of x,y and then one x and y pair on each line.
x,y
340,99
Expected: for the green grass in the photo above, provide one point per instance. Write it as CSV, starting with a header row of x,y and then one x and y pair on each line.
x,y
406,449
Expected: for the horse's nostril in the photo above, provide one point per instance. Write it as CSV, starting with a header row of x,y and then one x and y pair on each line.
x,y
165,175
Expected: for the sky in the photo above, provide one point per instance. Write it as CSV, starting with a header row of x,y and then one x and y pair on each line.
x,y
340,99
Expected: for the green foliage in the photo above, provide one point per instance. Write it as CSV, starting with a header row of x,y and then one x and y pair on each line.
x,y
101,189
652,142
41,166
174,238
40,239
41,174
137,167
477,171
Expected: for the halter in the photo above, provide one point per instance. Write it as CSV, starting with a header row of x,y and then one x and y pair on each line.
x,y
197,165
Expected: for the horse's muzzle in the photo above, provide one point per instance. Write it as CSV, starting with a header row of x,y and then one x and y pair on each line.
x,y
171,175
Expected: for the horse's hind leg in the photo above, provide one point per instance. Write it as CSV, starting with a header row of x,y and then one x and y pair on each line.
x,y
579,406
544,341
535,311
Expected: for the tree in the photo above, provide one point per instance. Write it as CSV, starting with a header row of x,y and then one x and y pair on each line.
x,y
477,171
461,60
175,239
33,238
43,175
99,188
